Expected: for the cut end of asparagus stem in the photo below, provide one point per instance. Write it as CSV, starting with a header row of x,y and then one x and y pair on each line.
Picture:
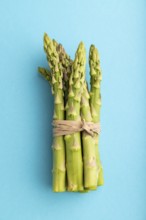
x,y
58,186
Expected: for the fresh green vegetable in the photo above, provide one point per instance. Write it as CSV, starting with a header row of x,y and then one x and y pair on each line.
x,y
89,150
59,170
76,159
95,102
66,64
74,162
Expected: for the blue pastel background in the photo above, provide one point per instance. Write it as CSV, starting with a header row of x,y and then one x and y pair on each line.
x,y
118,29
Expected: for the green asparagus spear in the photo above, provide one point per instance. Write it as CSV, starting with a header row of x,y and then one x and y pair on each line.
x,y
95,101
59,170
89,150
66,64
74,161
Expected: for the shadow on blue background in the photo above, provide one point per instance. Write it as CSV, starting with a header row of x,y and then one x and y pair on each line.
x,y
117,28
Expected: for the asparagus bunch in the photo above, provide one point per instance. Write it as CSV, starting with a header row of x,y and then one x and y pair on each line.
x,y
95,102
76,161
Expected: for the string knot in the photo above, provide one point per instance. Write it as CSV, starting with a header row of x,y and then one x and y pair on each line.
x,y
66,127
86,127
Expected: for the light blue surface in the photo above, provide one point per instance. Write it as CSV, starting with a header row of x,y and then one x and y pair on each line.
x,y
118,28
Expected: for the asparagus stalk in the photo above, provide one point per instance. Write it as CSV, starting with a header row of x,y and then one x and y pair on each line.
x,y
89,150
45,73
74,161
66,64
59,170
95,101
